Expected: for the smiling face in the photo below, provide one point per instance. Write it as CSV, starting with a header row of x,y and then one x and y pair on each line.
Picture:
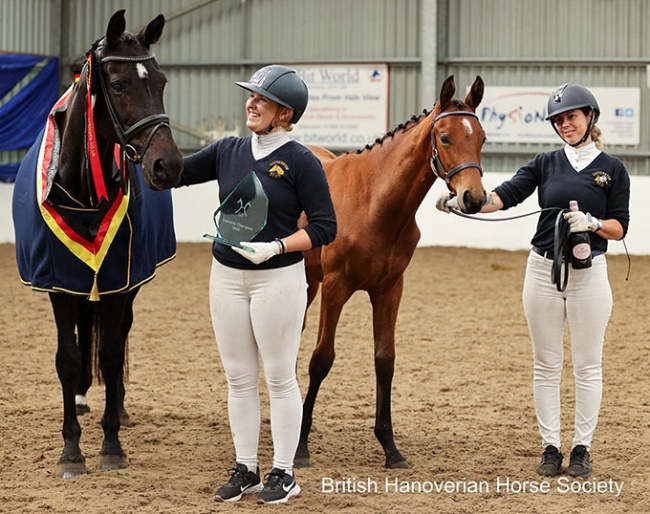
x,y
572,126
262,112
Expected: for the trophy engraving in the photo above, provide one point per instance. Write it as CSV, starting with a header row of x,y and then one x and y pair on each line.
x,y
242,215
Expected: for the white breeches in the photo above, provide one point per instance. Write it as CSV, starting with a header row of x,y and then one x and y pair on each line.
x,y
587,305
259,314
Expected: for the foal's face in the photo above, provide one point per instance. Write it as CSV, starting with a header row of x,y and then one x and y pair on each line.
x,y
461,140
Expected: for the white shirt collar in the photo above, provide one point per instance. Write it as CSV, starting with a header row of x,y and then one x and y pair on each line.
x,y
266,143
580,158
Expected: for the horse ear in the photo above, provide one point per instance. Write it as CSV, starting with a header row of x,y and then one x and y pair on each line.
x,y
475,94
152,32
116,27
447,92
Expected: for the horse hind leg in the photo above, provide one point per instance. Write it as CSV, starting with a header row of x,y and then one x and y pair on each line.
x,y
86,349
127,323
320,364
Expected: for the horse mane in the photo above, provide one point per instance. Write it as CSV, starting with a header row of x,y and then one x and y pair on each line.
x,y
413,120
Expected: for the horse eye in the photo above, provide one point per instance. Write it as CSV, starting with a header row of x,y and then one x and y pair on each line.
x,y
444,139
117,86
485,140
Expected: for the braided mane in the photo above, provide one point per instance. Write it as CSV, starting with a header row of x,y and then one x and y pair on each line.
x,y
413,120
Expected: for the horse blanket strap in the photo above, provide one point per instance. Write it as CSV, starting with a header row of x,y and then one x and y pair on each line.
x,y
65,245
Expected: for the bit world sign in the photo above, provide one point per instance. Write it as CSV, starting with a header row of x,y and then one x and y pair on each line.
x,y
348,105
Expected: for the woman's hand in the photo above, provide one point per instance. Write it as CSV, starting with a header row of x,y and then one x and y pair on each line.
x,y
259,252
446,202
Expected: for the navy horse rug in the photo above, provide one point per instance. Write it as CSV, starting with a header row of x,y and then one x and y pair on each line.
x,y
64,244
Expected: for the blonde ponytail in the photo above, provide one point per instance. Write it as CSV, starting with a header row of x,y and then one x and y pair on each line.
x,y
596,133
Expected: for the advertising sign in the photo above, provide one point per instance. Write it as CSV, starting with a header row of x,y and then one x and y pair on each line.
x,y
517,114
348,105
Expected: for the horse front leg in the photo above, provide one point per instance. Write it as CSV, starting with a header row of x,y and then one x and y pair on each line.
x,y
385,306
111,362
333,298
68,367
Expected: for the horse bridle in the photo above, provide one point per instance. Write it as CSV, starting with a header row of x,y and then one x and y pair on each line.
x,y
436,164
124,136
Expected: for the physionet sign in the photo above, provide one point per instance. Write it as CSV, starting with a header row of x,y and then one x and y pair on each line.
x,y
517,114
348,105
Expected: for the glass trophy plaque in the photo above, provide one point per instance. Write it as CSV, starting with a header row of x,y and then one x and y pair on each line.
x,y
242,215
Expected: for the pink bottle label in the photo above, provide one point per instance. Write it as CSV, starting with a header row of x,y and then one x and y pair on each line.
x,y
582,251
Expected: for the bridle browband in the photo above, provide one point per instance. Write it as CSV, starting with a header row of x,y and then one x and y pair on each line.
x,y
436,164
124,136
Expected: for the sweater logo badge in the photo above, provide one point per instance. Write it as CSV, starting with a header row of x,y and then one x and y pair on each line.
x,y
277,169
602,178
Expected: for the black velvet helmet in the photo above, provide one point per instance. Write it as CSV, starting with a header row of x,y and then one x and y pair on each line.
x,y
282,85
568,97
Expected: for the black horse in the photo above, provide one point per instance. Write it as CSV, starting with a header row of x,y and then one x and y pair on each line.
x,y
93,218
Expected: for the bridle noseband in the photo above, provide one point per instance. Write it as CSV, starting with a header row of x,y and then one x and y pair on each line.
x,y
436,164
124,136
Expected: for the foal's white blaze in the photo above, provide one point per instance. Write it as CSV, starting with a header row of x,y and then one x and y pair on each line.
x,y
467,125
142,71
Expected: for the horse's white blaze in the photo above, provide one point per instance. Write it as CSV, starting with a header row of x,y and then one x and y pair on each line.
x,y
467,125
142,71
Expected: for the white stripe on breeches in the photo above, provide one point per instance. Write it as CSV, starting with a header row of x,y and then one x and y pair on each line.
x,y
587,305
259,313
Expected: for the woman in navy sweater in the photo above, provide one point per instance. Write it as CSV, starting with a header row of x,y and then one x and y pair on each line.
x,y
258,293
601,185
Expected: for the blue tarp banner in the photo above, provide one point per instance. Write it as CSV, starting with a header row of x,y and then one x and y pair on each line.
x,y
8,172
23,116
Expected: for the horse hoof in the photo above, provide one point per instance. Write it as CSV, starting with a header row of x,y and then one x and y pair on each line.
x,y
398,464
70,469
82,409
113,462
302,462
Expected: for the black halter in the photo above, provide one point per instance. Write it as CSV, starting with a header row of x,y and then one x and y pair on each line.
x,y
124,136
436,164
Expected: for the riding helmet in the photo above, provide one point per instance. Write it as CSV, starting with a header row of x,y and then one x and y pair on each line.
x,y
571,96
568,97
282,85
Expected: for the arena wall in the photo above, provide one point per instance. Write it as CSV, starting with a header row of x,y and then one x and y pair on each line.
x,y
194,207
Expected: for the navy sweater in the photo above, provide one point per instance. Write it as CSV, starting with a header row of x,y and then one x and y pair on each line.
x,y
293,180
602,189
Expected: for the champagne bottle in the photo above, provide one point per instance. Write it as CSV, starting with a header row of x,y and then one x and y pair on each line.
x,y
580,245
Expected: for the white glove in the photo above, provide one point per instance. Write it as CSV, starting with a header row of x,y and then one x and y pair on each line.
x,y
582,222
446,202
258,252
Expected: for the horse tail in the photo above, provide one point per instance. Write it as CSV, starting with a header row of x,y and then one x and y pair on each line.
x,y
95,343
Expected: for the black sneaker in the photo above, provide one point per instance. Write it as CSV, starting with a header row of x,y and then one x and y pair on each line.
x,y
241,482
579,463
279,487
551,462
